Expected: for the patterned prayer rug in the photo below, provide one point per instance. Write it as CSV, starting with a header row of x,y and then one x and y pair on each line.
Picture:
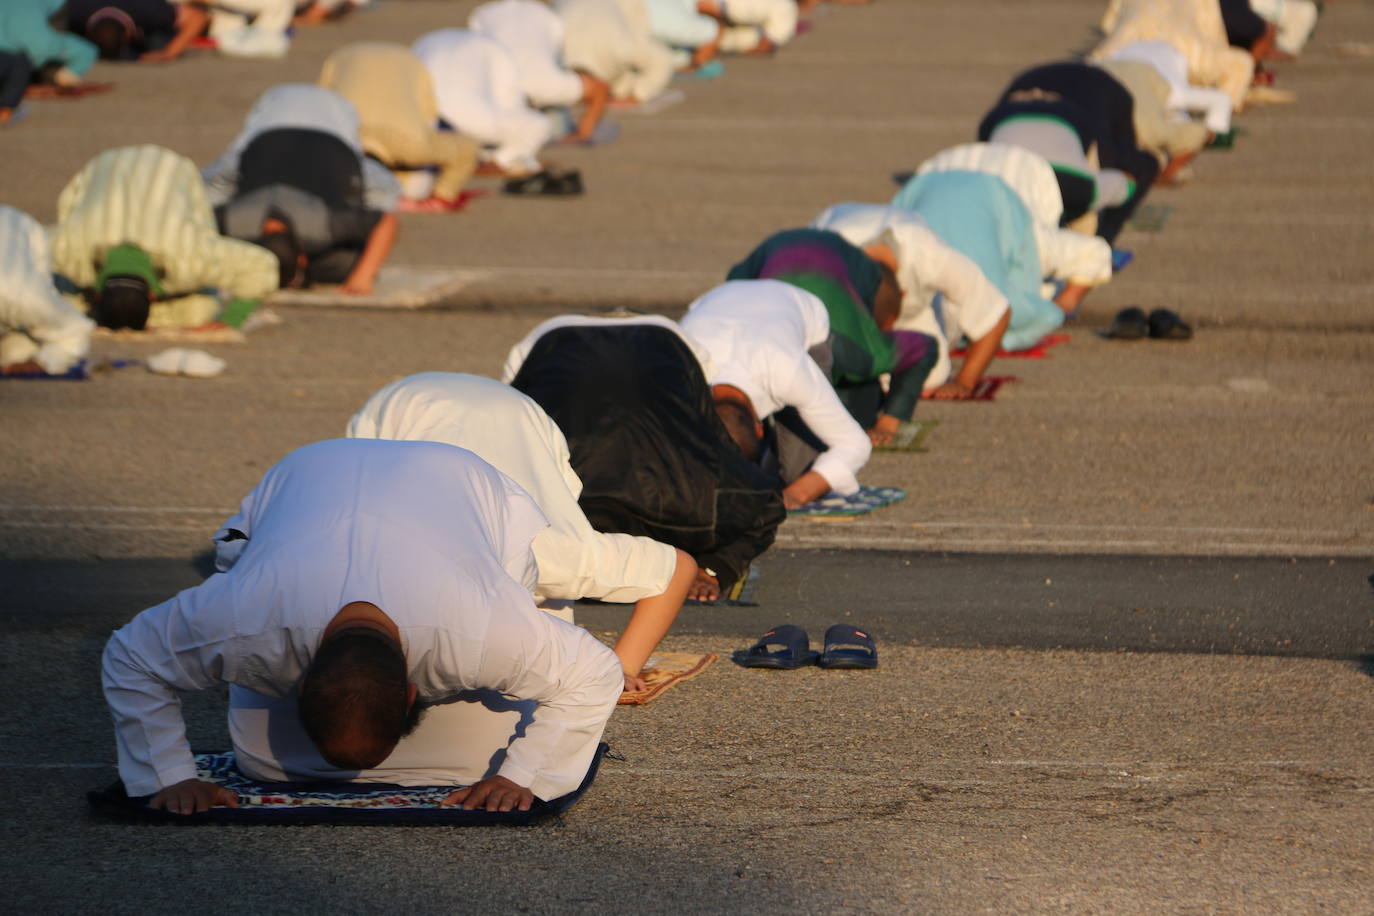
x,y
860,503
78,373
664,670
308,803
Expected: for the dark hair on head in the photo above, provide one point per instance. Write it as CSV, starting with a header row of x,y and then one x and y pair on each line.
x,y
740,425
123,302
353,700
110,37
287,250
887,301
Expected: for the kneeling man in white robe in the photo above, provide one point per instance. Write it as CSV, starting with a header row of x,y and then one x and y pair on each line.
x,y
362,583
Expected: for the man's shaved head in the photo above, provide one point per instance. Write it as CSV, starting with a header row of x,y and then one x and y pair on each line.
x,y
355,699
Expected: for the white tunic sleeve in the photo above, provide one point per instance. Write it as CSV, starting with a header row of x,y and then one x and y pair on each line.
x,y
939,268
622,568
575,680
1085,260
181,644
848,446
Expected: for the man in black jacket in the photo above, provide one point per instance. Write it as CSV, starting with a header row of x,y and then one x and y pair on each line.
x,y
648,441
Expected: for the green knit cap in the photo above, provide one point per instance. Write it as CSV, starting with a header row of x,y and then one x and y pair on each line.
x,y
129,261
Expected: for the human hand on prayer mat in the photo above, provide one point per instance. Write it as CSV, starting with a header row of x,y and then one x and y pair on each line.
x,y
495,793
885,430
192,796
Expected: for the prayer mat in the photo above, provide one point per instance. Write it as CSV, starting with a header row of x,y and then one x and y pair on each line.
x,y
1150,217
78,373
662,102
741,594
1268,95
604,132
301,804
860,503
1039,351
181,335
664,670
710,70
1355,48
67,92
910,437
396,287
988,386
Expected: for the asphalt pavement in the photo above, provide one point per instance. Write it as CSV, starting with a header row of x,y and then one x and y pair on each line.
x,y
1124,616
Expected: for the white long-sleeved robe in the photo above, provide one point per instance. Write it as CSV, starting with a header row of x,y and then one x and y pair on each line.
x,y
758,333
613,41
153,198
512,433
36,323
533,34
429,533
969,304
477,85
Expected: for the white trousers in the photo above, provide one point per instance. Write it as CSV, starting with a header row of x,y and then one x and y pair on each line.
x,y
479,92
268,15
1295,20
264,37
776,20
457,743
533,34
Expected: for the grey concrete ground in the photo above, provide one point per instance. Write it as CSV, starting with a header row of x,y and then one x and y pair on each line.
x,y
1121,630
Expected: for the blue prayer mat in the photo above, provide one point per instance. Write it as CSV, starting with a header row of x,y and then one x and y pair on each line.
x,y
77,373
861,503
336,803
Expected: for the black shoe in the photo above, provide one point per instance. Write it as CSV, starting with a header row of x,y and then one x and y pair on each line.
x,y
1166,325
1129,324
545,184
572,182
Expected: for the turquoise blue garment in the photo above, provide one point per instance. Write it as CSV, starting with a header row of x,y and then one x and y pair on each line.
x,y
980,216
24,29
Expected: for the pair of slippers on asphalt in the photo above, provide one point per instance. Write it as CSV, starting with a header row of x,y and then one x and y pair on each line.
x,y
1161,324
545,184
787,647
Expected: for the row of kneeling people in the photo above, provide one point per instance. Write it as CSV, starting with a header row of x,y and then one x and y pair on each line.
x,y
144,238
400,571
521,74
317,173
377,603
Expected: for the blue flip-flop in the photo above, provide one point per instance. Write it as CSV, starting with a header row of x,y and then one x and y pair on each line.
x,y
795,649
848,647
